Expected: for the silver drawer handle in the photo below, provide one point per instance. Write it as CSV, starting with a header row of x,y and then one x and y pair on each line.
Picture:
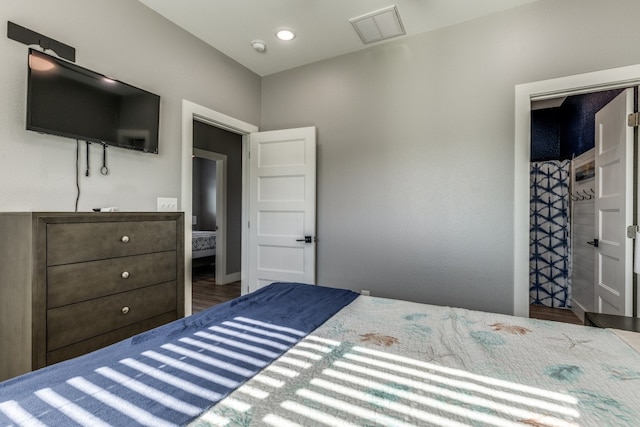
x,y
125,310
125,274
125,239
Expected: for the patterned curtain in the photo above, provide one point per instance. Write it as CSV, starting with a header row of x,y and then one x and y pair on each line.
x,y
550,236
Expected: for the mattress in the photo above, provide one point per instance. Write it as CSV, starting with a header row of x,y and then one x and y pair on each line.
x,y
301,355
395,363
203,243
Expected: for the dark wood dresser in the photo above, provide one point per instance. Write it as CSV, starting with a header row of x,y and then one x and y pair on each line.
x,y
71,283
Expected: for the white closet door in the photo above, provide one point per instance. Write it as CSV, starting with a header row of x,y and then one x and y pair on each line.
x,y
614,207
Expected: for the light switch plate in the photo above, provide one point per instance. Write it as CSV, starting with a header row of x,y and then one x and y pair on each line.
x,y
167,204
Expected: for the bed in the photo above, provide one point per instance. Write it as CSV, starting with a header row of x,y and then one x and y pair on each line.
x,y
203,244
301,355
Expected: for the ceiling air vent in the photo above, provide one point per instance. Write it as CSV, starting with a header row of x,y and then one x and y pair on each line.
x,y
379,25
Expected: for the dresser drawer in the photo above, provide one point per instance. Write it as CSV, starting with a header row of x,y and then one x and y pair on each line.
x,y
71,283
111,337
76,322
79,242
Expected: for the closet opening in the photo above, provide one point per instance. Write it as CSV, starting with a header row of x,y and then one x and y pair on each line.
x,y
563,194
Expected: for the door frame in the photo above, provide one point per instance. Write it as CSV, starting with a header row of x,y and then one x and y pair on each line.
x,y
221,214
614,78
190,112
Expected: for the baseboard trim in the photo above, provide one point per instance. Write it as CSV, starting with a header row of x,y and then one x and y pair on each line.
x,y
578,309
228,278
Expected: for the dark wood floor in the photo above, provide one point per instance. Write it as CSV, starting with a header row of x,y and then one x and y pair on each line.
x,y
205,291
555,314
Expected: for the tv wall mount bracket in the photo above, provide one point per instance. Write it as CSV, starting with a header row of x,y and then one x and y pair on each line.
x,y
28,37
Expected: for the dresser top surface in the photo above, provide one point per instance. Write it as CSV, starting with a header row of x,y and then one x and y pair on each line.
x,y
100,216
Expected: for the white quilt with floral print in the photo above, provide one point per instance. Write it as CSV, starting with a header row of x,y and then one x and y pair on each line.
x,y
382,362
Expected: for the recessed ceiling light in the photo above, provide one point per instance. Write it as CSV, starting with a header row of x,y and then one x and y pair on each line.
x,y
285,34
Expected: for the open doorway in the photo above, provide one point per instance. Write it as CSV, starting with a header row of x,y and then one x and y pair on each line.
x,y
563,193
525,94
216,212
207,210
194,119
288,155
208,225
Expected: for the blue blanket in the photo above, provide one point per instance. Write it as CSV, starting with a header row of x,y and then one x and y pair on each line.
x,y
171,374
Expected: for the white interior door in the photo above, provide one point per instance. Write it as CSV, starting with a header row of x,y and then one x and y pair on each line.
x,y
282,211
614,207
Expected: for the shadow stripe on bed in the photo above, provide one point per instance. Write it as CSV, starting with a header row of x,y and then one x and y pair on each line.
x,y
169,375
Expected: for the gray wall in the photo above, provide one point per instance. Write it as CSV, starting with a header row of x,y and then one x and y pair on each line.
x,y
195,190
415,156
208,189
126,40
416,145
204,188
210,138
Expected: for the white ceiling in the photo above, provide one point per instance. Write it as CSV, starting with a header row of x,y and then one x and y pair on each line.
x,y
322,26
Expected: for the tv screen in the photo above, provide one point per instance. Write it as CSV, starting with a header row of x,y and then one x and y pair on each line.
x,y
67,100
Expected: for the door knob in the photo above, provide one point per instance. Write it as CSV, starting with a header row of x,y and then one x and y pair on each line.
x,y
307,239
593,243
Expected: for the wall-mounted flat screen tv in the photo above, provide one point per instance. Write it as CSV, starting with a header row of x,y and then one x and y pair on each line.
x,y
67,100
